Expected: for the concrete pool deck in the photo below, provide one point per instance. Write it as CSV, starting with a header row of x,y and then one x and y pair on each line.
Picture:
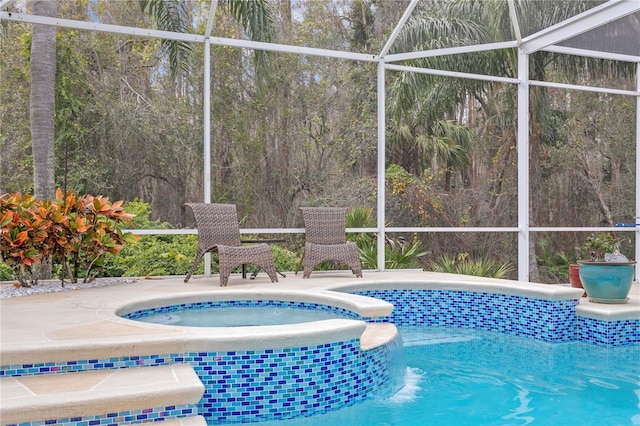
x,y
83,324
31,324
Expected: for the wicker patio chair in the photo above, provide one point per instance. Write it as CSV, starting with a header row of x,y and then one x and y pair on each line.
x,y
218,230
326,239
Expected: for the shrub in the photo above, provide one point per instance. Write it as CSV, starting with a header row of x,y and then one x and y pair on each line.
x,y
6,273
465,266
76,233
155,255
23,234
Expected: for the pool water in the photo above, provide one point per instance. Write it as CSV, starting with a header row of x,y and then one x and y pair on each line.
x,y
239,316
469,377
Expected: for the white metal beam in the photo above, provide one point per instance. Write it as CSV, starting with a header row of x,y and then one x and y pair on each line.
x,y
212,15
394,35
637,228
584,88
470,76
514,21
522,140
105,28
593,53
197,38
382,196
299,50
5,4
450,51
206,111
586,21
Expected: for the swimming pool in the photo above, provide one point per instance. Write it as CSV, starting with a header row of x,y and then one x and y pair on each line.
x,y
341,351
473,377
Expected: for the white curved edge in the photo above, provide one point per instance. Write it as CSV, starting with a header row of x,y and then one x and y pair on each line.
x,y
506,287
188,340
604,312
364,306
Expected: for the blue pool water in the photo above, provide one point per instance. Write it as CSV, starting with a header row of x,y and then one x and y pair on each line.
x,y
238,316
461,377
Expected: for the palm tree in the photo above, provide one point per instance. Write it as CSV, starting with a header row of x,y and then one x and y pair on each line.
x,y
42,109
464,22
42,105
451,144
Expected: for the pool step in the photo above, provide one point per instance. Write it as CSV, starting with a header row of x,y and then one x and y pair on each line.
x,y
58,396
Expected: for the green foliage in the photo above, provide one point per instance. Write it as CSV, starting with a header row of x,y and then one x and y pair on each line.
x,y
398,178
285,260
553,266
6,273
165,255
597,245
412,200
368,253
465,266
155,256
400,254
362,217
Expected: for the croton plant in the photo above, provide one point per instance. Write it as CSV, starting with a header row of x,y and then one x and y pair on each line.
x,y
74,232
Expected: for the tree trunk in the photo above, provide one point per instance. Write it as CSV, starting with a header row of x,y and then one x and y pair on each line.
x,y
42,110
42,106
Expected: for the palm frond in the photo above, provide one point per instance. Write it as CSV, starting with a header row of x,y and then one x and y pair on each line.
x,y
174,16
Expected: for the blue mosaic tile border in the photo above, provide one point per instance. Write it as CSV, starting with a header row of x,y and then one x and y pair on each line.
x,y
249,386
546,320
608,333
114,419
344,313
386,366
281,384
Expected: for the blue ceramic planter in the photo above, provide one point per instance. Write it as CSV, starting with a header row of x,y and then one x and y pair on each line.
x,y
607,282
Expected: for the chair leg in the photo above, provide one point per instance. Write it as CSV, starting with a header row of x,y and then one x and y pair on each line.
x,y
224,277
308,268
343,253
354,260
230,257
271,272
300,263
308,260
194,266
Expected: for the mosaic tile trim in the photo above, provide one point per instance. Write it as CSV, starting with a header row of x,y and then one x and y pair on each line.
x,y
279,384
546,320
387,367
129,417
345,313
608,333
249,386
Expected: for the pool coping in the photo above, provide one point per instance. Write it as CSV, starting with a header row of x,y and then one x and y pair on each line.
x,y
46,327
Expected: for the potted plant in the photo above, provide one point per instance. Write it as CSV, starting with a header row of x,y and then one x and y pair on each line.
x,y
607,274
574,277
594,247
